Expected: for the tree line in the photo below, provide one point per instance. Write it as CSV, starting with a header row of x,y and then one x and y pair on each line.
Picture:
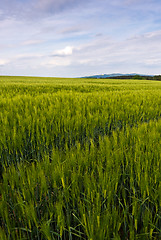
x,y
139,77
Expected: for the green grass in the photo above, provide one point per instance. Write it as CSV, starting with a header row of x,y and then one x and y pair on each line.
x,y
80,159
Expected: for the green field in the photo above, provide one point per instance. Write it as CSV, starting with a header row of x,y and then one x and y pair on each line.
x,y
80,159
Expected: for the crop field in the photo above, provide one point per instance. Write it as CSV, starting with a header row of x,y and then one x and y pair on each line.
x,y
80,159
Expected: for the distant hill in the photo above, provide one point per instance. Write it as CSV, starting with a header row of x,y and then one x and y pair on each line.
x,y
119,75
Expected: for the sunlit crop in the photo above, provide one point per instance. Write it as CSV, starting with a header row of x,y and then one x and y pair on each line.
x,y
80,159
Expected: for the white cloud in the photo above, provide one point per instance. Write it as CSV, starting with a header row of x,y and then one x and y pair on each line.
x,y
3,62
67,51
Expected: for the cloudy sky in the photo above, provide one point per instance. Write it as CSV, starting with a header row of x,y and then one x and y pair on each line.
x,y
72,38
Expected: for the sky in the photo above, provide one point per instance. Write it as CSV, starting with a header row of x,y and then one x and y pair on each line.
x,y
74,38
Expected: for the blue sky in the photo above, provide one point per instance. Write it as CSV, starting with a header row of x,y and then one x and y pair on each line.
x,y
72,38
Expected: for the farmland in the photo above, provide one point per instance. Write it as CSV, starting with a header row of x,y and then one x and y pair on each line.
x,y
80,159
